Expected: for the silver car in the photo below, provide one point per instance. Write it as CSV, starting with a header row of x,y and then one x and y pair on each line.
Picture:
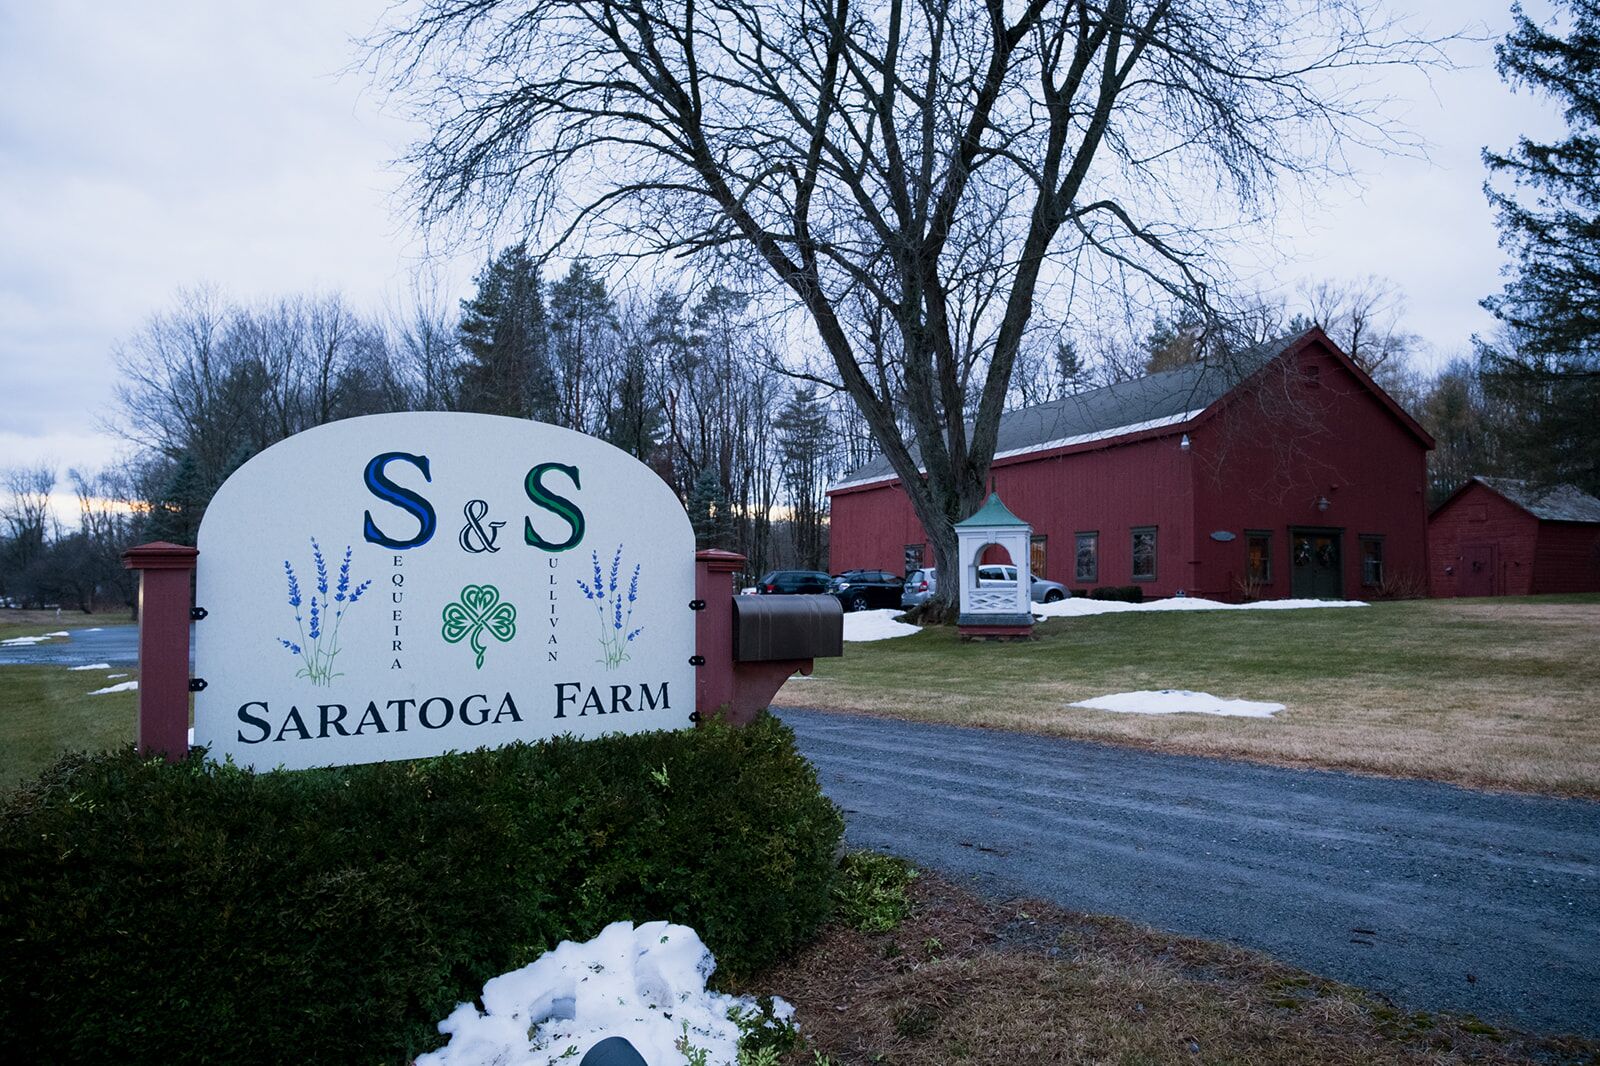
x,y
1039,591
920,584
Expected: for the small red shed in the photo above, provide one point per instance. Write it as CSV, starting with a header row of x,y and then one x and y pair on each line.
x,y
1497,536
1286,472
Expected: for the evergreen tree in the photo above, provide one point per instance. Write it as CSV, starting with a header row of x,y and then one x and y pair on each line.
x,y
1546,367
803,438
583,324
178,505
1175,342
708,511
504,333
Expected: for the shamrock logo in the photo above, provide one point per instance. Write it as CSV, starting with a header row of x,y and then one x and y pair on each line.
x,y
479,609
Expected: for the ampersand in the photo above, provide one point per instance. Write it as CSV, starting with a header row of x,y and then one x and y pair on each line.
x,y
474,537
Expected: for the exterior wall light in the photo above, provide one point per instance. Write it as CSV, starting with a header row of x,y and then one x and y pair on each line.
x,y
1323,503
1183,443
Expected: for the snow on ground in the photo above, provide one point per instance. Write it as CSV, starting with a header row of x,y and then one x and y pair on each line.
x,y
1077,607
121,686
876,625
645,984
19,641
111,677
92,666
1180,701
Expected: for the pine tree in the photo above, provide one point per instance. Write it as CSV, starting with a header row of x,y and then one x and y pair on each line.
x,y
177,506
505,335
583,323
709,512
1546,367
803,436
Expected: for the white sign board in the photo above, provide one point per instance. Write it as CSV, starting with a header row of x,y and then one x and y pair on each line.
x,y
397,586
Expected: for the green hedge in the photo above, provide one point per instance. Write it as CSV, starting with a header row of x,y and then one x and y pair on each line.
x,y
1123,593
196,912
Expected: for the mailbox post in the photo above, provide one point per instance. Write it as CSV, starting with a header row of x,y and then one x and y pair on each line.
x,y
751,645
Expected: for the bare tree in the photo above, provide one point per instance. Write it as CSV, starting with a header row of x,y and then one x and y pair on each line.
x,y
1365,317
941,160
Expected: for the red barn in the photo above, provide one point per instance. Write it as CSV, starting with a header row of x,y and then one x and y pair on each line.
x,y
1287,473
1497,536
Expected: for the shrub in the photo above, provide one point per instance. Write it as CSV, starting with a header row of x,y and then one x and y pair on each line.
x,y
871,893
1124,593
152,912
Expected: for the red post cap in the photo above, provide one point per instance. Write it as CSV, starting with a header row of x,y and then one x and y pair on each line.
x,y
159,555
719,561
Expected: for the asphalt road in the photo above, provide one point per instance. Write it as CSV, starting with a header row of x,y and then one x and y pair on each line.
x,y
1441,898
117,645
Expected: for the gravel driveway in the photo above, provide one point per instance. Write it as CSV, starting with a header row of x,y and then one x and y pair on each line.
x,y
1440,897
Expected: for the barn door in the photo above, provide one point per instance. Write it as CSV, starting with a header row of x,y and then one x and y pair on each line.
x,y
1318,564
1477,570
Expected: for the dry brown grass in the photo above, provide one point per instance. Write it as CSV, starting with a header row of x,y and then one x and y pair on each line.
x,y
1489,694
969,981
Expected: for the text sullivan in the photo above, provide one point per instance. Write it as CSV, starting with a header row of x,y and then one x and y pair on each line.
x,y
318,721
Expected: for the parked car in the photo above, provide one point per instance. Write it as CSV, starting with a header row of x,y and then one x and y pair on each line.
x,y
920,584
862,590
1040,591
794,583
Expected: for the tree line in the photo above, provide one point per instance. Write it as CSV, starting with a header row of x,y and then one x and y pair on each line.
x,y
688,380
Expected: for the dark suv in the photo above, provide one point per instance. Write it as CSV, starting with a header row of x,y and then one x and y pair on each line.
x,y
861,590
793,582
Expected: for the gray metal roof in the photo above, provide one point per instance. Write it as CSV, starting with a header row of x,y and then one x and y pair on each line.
x,y
1168,398
1561,503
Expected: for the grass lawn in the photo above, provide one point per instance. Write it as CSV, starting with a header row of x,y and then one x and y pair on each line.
x,y
45,711
1491,693
969,981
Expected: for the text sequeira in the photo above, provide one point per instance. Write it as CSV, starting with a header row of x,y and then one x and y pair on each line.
x,y
322,720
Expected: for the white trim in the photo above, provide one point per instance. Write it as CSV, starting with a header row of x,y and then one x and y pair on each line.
x,y
1060,442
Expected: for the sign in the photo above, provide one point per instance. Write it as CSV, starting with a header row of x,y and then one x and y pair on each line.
x,y
397,586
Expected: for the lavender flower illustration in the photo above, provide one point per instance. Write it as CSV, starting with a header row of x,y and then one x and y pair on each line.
x,y
614,607
318,625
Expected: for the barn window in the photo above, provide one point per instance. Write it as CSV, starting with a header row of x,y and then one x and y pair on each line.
x,y
1087,565
1144,553
914,557
1036,556
1258,552
1372,560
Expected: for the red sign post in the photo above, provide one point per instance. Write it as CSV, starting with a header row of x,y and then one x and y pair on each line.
x,y
165,571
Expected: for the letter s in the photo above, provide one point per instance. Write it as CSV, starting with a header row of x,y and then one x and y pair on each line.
x,y
556,505
418,507
250,719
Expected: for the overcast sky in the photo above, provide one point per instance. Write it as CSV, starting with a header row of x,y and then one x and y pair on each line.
x,y
150,145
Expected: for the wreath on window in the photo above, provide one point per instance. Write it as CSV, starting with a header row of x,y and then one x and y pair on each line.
x,y
1302,553
1325,555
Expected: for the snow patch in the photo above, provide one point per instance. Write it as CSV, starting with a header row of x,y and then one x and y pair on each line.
x,y
645,984
59,633
123,686
1078,607
92,666
876,625
17,642
1180,701
113,677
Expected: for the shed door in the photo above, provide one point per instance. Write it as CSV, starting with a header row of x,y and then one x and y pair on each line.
x,y
1318,566
1477,570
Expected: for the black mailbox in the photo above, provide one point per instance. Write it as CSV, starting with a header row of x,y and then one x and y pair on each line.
x,y
768,628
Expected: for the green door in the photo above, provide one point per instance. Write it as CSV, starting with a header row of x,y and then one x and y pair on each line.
x,y
1318,564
